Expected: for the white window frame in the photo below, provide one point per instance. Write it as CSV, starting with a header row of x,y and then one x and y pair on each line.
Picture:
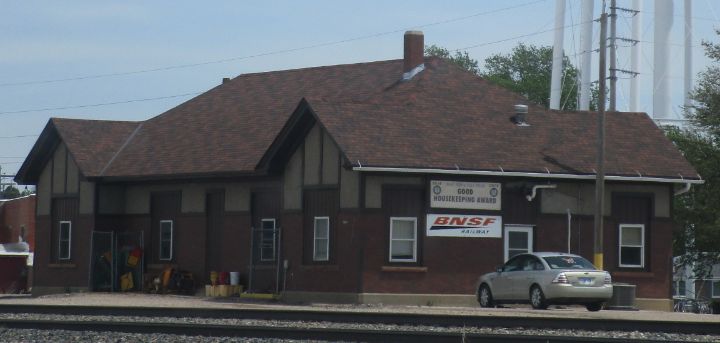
x,y
414,240
172,238
676,288
506,238
712,288
641,246
326,239
262,238
60,239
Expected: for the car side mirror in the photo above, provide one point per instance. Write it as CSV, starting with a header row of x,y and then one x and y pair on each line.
x,y
499,269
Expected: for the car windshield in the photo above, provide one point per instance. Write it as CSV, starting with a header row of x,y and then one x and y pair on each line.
x,y
568,262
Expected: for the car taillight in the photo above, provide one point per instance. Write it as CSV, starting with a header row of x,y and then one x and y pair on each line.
x,y
560,278
608,279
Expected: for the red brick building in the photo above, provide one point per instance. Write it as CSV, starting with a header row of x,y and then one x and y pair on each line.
x,y
334,183
17,243
17,220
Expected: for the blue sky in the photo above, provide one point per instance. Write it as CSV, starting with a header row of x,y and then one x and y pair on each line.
x,y
52,40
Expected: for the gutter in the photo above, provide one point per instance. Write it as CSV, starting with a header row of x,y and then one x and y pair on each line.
x,y
547,175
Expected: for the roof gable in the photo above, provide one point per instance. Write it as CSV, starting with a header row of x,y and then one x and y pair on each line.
x,y
91,144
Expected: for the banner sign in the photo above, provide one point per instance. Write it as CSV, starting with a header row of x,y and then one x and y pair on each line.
x,y
465,195
459,225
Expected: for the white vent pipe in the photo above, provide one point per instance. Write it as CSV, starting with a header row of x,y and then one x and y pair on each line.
x,y
556,80
661,85
635,57
586,35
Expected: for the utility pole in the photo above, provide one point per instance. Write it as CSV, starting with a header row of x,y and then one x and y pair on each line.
x,y
600,176
614,70
613,56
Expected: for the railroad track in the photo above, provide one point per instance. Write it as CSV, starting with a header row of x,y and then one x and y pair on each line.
x,y
423,324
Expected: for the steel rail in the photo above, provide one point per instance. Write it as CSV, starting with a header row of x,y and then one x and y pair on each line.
x,y
328,334
683,327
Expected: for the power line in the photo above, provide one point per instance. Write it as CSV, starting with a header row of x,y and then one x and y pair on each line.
x,y
516,37
275,52
195,93
99,104
19,136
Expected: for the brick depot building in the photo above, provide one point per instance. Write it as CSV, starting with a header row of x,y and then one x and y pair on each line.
x,y
333,183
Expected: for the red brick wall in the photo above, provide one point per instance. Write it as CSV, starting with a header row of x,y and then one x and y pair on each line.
x,y
71,274
453,264
342,276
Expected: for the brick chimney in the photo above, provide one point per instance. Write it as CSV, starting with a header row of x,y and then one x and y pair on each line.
x,y
414,48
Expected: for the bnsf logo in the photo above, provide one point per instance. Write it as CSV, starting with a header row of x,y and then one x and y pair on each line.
x,y
460,221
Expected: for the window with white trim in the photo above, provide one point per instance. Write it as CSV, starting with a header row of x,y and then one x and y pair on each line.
x,y
267,239
64,240
632,245
715,292
321,242
166,240
403,239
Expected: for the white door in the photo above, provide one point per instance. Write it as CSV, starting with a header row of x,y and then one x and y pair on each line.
x,y
518,239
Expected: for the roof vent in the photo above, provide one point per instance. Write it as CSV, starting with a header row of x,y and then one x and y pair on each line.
x,y
226,80
519,117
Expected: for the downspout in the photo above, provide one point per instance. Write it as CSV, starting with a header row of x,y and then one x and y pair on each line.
x,y
569,219
684,189
531,196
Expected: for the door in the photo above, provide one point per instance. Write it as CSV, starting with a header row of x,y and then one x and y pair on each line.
x,y
265,241
214,208
502,285
530,271
518,239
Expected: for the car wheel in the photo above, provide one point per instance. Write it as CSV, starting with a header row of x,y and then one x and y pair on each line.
x,y
537,298
485,297
594,307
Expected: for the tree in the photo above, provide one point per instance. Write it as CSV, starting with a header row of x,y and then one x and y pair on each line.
x,y
462,59
526,70
696,212
10,192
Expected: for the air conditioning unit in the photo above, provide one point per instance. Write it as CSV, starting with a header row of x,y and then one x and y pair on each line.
x,y
623,297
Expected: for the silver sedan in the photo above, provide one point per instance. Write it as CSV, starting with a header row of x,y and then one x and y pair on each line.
x,y
546,278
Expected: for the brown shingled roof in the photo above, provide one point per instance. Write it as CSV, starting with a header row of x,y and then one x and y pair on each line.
x,y
443,118
228,128
447,118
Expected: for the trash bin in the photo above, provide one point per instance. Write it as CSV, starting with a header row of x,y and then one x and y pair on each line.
x,y
623,297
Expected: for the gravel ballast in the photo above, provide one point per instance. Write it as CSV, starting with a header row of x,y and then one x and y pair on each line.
x,y
26,335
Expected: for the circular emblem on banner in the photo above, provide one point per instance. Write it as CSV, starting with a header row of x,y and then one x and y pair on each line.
x,y
437,189
493,192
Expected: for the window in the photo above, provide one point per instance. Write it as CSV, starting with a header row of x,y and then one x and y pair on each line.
x,y
568,262
518,240
321,243
403,239
715,289
166,240
65,240
632,245
267,240
679,288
